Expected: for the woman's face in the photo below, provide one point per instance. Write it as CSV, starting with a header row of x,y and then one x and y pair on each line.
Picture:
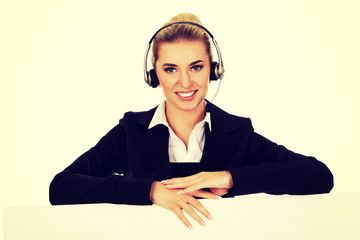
x,y
183,69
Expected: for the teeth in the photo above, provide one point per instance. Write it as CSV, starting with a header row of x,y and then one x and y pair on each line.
x,y
189,94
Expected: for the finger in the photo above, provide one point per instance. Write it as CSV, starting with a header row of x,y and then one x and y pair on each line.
x,y
181,179
189,210
219,191
182,218
204,194
192,188
198,206
174,180
195,184
191,177
168,181
178,185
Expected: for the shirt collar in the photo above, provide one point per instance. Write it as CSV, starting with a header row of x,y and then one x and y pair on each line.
x,y
160,117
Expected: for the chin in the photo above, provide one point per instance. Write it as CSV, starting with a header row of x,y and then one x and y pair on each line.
x,y
189,106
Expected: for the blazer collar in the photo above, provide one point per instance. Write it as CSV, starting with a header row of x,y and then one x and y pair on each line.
x,y
144,118
220,119
219,146
159,117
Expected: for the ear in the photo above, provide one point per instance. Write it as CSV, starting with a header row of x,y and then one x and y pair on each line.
x,y
213,68
154,79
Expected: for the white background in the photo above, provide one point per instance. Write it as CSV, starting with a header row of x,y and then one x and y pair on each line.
x,y
70,69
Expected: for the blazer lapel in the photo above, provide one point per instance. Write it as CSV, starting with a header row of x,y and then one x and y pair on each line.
x,y
153,149
217,150
219,147
154,145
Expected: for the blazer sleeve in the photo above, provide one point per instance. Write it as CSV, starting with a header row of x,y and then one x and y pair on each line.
x,y
273,169
91,178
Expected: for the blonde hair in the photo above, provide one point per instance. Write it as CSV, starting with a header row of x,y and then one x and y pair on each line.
x,y
180,31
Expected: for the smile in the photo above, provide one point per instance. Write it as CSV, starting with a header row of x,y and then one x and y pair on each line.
x,y
186,94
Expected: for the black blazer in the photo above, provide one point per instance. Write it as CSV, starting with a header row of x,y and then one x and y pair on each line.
x,y
140,156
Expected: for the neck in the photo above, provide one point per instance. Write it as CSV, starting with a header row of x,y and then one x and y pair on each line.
x,y
183,122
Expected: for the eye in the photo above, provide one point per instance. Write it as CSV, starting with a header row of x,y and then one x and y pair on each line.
x,y
170,70
197,68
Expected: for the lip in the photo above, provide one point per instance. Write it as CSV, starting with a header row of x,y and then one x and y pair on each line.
x,y
189,98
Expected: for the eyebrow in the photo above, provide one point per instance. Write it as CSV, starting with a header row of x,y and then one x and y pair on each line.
x,y
174,65
169,65
196,62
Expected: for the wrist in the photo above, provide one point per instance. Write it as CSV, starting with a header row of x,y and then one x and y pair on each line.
x,y
152,190
230,180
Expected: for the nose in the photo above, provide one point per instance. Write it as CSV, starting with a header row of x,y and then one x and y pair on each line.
x,y
185,79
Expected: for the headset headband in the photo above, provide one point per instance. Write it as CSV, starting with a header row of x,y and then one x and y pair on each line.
x,y
218,67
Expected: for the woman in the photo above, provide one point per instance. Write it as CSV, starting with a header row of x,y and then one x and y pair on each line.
x,y
185,148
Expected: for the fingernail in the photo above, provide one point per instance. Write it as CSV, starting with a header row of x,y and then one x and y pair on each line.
x,y
202,223
180,192
218,197
190,226
210,217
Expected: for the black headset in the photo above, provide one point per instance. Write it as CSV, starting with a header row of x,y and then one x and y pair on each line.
x,y
217,68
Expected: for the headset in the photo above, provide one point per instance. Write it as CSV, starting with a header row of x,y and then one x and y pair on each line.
x,y
217,68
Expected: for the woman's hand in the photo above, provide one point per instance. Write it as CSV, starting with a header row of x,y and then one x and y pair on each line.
x,y
174,202
218,182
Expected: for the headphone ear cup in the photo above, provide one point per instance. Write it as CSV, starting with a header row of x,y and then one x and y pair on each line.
x,y
214,66
153,79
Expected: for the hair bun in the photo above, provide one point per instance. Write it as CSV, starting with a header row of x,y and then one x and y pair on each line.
x,y
184,17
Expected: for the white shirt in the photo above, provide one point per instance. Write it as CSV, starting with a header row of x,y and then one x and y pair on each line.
x,y
177,148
